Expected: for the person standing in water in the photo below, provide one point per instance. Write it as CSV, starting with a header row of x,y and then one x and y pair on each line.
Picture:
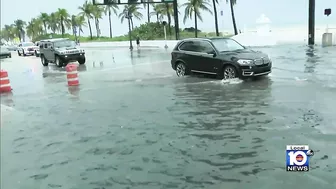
x,y
138,41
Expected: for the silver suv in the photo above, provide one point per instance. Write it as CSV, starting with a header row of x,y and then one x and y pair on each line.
x,y
60,51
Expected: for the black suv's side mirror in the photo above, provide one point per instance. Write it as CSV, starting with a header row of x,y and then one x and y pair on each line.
x,y
213,53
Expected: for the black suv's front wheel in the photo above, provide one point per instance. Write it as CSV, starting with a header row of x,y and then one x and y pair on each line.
x,y
230,72
44,60
58,61
181,69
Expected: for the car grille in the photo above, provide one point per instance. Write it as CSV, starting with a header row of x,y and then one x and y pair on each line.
x,y
30,49
262,62
72,52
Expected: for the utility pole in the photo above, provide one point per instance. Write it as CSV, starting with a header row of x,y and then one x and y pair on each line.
x,y
176,20
311,21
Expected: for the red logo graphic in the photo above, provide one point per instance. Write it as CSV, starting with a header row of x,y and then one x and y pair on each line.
x,y
299,157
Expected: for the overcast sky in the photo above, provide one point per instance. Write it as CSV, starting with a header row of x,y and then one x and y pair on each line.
x,y
280,12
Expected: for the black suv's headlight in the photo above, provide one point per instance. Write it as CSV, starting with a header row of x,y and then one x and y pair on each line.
x,y
245,62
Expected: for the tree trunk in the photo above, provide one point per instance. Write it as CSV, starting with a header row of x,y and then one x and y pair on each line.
x,y
169,19
97,27
23,35
90,28
157,17
62,27
195,16
233,18
148,13
110,22
45,27
132,24
130,34
216,19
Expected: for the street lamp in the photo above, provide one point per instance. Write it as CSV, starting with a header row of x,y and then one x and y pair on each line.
x,y
129,17
165,34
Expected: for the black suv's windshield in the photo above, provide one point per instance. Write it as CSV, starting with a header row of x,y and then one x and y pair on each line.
x,y
224,45
65,43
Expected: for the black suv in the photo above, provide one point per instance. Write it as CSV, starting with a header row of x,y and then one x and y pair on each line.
x,y
60,51
223,57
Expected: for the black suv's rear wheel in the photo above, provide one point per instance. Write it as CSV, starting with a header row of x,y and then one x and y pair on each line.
x,y
229,72
44,61
58,61
81,60
181,69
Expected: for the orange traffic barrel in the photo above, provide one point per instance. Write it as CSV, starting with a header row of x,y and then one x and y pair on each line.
x,y
72,75
4,82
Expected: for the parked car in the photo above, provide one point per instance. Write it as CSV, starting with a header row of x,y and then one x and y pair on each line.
x,y
26,48
5,53
37,50
223,57
12,47
60,51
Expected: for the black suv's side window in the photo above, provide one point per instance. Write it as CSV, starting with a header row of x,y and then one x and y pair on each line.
x,y
204,47
187,46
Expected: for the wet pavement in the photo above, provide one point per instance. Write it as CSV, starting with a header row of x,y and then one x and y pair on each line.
x,y
133,124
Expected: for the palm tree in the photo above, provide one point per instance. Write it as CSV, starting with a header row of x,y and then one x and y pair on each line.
x,y
53,23
167,9
158,12
193,8
97,13
74,25
108,10
20,25
9,32
63,17
80,21
232,3
148,10
44,17
86,11
214,2
129,12
34,28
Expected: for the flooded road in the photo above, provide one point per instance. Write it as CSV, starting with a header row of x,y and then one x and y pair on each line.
x,y
132,124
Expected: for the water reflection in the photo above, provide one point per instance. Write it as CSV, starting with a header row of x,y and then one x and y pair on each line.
x,y
83,68
312,59
74,91
7,99
132,57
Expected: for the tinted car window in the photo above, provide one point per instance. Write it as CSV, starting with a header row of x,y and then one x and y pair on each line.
x,y
187,46
223,45
204,47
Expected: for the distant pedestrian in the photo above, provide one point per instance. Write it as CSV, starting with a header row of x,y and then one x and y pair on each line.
x,y
138,41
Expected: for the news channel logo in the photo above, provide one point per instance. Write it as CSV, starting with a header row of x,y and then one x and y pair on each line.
x,y
297,158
